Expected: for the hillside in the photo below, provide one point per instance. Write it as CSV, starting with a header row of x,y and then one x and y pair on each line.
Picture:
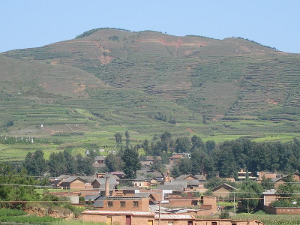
x,y
148,82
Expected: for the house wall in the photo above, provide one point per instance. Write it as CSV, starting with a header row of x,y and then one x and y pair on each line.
x,y
180,202
282,210
141,184
77,184
225,222
138,220
174,222
212,201
143,205
278,183
296,177
268,199
96,184
119,219
221,192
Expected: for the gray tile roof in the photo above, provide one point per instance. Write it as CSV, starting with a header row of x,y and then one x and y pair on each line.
x,y
90,197
171,187
102,181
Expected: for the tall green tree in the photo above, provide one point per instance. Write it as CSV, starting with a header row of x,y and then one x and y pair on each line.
x,y
197,143
182,144
127,136
35,163
118,137
114,163
131,163
249,194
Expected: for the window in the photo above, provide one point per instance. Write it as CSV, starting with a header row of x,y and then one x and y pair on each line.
x,y
110,204
135,204
170,223
122,204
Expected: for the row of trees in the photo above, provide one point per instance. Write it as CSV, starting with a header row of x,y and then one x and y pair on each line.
x,y
58,163
65,163
225,159
231,156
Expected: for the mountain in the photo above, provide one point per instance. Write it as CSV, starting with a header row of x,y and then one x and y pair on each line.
x,y
149,82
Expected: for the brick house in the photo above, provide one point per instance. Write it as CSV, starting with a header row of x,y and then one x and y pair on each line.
x,y
75,183
269,197
149,218
138,204
223,190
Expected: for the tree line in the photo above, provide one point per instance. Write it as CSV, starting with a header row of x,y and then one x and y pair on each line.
x,y
225,159
58,163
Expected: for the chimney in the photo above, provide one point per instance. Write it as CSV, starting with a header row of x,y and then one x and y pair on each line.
x,y
106,186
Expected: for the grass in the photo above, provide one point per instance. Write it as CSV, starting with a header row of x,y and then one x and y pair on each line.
x,y
269,219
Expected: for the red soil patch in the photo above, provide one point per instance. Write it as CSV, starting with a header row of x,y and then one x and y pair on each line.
x,y
190,130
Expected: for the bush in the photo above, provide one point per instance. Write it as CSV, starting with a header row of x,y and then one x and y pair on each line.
x,y
11,212
224,215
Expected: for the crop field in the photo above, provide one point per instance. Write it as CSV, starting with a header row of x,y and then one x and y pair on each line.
x,y
271,219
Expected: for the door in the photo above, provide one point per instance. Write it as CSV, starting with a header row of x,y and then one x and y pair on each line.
x,y
150,222
128,220
214,223
190,222
109,220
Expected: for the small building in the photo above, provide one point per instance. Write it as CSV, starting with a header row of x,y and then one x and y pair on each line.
x,y
141,182
99,161
223,190
175,158
269,197
242,175
266,175
139,204
74,183
100,183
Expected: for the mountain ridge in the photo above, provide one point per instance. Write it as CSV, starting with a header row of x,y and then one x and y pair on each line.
x,y
202,81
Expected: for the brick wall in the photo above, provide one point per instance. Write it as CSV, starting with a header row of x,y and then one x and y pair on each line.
x,y
142,205
77,184
221,192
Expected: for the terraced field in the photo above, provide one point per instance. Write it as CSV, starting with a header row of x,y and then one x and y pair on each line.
x,y
86,89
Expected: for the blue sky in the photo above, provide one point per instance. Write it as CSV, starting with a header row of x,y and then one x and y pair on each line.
x,y
33,23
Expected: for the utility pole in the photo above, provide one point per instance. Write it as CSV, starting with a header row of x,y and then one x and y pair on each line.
x,y
234,203
159,214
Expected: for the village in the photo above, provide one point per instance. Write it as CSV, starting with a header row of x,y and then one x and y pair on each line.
x,y
158,198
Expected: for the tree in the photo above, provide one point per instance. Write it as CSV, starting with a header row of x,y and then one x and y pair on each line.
x,y
250,194
131,163
157,165
185,166
56,164
113,163
118,137
267,183
127,138
146,147
166,141
197,143
35,163
175,171
202,163
210,146
288,189
182,144
85,165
